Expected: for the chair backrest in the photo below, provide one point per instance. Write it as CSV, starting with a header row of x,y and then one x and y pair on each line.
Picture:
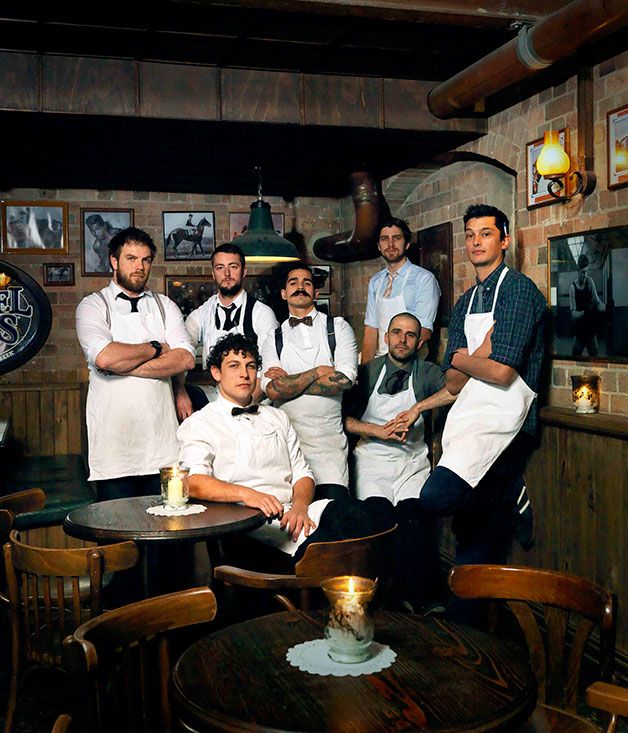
x,y
47,601
20,502
572,607
121,661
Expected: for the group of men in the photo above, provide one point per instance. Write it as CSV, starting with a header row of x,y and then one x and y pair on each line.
x,y
291,460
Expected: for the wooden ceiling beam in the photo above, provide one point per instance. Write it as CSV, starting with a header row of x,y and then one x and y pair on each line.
x,y
448,12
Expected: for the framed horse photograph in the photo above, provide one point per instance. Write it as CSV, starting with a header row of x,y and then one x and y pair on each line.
x,y
35,227
189,235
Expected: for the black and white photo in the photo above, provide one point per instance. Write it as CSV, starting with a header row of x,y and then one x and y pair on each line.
x,y
188,235
58,273
32,227
98,226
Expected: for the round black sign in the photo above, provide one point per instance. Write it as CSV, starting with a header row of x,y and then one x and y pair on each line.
x,y
25,317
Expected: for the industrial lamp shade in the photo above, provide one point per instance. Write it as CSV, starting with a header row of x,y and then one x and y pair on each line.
x,y
553,160
260,242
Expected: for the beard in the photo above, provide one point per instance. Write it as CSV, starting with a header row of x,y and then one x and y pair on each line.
x,y
392,259
404,358
229,292
133,286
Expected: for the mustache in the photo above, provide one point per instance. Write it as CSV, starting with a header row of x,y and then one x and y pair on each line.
x,y
299,292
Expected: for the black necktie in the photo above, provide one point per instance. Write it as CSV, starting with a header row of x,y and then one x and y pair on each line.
x,y
132,301
306,321
229,321
396,381
250,410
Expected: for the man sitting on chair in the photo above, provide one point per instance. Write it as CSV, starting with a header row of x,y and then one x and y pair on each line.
x,y
238,451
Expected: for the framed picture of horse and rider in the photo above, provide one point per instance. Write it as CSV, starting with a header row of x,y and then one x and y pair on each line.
x,y
35,227
189,235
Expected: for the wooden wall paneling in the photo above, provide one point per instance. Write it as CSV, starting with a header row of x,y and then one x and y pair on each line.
x,y
95,86
5,405
260,96
47,423
19,81
178,91
61,422
341,100
18,415
33,427
74,421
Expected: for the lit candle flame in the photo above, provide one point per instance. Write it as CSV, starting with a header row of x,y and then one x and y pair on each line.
x,y
351,585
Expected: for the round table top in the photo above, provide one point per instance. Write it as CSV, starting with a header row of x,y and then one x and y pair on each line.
x,y
127,519
447,677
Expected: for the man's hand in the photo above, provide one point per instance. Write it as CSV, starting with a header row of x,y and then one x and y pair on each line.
x,y
391,431
295,520
275,372
323,370
183,403
165,349
406,419
269,504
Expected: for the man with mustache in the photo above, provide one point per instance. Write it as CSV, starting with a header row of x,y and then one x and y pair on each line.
x,y
400,287
230,310
309,362
134,341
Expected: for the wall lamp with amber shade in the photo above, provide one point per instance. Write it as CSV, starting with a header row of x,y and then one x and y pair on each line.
x,y
553,162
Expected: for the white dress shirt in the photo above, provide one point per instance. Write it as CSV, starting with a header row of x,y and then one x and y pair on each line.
x,y
317,419
201,323
131,421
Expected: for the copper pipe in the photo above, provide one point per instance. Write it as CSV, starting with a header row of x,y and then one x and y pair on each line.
x,y
556,37
359,243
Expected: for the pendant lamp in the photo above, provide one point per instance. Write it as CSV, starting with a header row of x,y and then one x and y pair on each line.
x,y
260,242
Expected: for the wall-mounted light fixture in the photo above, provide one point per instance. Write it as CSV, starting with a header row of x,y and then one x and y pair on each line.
x,y
553,162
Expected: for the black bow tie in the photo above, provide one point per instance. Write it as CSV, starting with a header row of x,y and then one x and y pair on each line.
x,y
132,301
306,321
250,410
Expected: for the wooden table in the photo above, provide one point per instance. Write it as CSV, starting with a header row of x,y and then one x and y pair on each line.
x,y
447,677
126,519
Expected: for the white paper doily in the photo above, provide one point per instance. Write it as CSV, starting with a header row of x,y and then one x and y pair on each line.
x,y
166,511
311,656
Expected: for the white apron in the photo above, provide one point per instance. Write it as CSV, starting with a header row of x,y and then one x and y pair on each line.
x,y
485,418
393,470
387,308
131,421
257,453
316,419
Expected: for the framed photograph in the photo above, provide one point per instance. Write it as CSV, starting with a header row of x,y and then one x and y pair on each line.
x,y
323,305
97,227
189,291
587,276
189,235
35,227
617,147
322,278
536,185
58,273
239,223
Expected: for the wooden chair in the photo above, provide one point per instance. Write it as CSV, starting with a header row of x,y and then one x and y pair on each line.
x,y
121,661
610,698
63,724
572,607
370,557
20,502
46,602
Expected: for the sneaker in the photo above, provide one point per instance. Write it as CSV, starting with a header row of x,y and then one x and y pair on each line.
x,y
433,609
523,520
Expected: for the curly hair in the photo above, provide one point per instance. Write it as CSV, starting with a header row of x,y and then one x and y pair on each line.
x,y
235,342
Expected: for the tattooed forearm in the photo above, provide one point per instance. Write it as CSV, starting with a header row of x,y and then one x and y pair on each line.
x,y
291,385
329,385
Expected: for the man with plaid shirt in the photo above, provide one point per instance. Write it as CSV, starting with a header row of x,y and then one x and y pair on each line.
x,y
493,363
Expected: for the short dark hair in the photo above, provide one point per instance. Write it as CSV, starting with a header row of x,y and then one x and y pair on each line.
x,y
475,211
405,314
400,224
130,234
583,261
295,266
229,249
236,342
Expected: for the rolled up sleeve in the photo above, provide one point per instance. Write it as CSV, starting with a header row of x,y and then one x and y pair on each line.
x,y
91,327
195,449
425,298
346,356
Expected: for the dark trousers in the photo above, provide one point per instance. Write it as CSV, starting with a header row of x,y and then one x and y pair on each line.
x,y
330,491
127,486
482,516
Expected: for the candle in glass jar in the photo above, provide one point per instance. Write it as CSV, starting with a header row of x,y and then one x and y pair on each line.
x,y
349,629
175,491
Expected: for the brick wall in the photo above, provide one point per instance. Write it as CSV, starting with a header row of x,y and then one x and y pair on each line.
x,y
61,359
444,195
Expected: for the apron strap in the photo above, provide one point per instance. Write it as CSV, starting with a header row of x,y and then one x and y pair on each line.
x,y
247,326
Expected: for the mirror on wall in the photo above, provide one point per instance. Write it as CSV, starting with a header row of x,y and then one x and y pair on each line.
x,y
588,287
